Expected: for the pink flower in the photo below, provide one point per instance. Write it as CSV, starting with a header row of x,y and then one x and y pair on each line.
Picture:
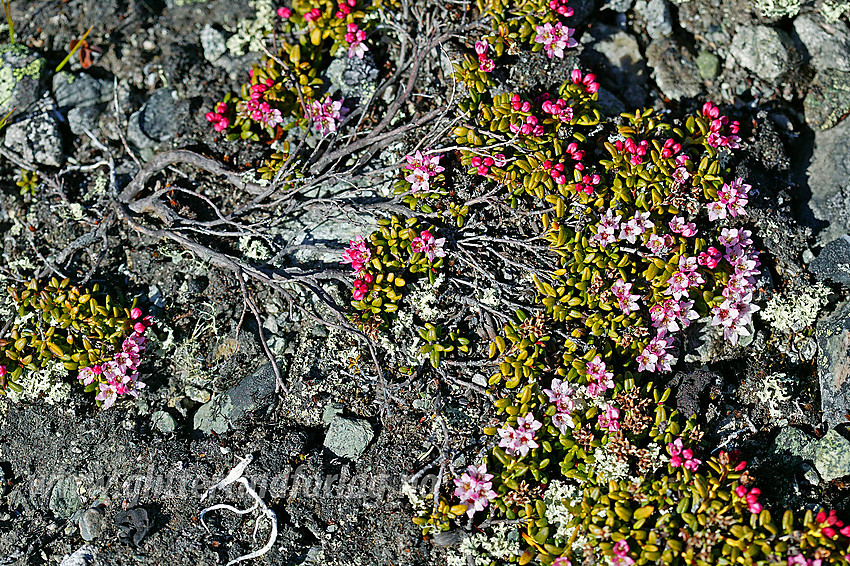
x,y
486,65
654,356
418,179
561,395
313,15
680,226
621,554
108,394
326,115
520,440
481,48
474,489
555,38
427,244
627,302
609,420
355,38
562,561
284,12
598,379
135,313
357,254
361,289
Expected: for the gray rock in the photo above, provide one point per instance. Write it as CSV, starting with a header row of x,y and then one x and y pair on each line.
x,y
674,69
36,137
158,120
828,99
833,336
64,499
91,524
332,409
618,5
833,262
829,180
21,75
708,64
71,90
609,104
656,14
163,421
832,456
83,556
615,54
348,438
354,77
253,394
215,51
763,50
827,44
793,443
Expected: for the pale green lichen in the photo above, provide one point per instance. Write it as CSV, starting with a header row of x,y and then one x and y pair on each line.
x,y
794,311
48,384
499,543
773,392
832,10
778,8
250,34
33,69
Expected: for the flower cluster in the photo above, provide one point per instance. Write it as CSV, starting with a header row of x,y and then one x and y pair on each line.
x,y
716,136
284,13
119,376
599,380
588,80
561,8
519,440
357,254
561,395
609,420
734,314
343,9
474,489
682,457
217,118
555,38
355,38
655,356
751,497
621,554
326,115
731,200
622,291
427,244
485,64
422,168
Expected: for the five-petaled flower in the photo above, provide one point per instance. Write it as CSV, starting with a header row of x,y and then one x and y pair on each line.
x,y
555,38
427,244
474,489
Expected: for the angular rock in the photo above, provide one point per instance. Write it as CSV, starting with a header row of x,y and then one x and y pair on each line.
x,y
826,44
64,499
158,120
708,64
618,5
763,50
21,75
91,524
828,99
163,421
70,91
253,394
354,77
656,14
829,180
36,138
833,336
674,69
348,438
615,55
83,556
833,262
792,443
832,456
689,387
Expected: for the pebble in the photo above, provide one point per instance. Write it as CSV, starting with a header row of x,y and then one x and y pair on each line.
x,y
91,524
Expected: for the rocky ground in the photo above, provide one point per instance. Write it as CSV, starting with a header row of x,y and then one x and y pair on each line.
x,y
82,485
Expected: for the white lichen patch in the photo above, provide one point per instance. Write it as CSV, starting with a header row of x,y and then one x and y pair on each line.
x,y
778,8
251,33
48,384
773,392
795,310
499,543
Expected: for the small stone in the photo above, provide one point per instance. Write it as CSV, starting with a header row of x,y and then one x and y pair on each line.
x,y
833,262
197,394
354,77
792,443
827,44
832,456
91,524
828,99
253,394
348,438
708,64
21,74
674,69
36,138
213,43
763,50
64,499
833,336
83,556
83,118
332,409
164,422
656,13
618,5
158,120
71,91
